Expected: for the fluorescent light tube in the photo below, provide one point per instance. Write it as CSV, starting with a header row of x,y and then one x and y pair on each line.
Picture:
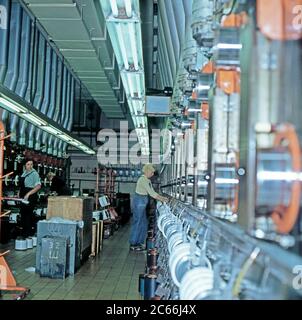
x,y
133,45
130,84
33,119
131,107
23,113
10,106
128,8
229,46
90,152
122,45
51,130
138,85
140,106
114,8
65,138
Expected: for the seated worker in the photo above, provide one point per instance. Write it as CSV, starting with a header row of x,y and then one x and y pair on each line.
x,y
58,185
30,184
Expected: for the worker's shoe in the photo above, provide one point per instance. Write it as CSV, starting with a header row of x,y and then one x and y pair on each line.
x,y
136,248
133,247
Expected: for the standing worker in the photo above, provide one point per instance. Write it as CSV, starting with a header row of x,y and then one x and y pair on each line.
x,y
143,190
30,184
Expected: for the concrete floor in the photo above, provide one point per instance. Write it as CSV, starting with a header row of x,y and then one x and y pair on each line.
x,y
112,275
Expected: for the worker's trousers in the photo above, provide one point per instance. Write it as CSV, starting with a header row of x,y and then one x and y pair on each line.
x,y
139,220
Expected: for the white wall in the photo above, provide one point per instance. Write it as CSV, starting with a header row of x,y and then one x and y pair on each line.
x,y
125,187
87,179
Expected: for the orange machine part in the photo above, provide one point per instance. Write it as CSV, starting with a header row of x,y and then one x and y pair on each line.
x,y
194,95
234,20
228,80
208,68
286,217
280,19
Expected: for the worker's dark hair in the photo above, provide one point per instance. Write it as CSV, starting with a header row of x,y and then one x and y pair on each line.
x,y
51,174
26,160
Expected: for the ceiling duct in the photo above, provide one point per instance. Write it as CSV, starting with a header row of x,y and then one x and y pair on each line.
x,y
78,29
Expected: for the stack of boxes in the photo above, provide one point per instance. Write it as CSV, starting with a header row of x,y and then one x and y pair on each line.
x,y
68,228
75,209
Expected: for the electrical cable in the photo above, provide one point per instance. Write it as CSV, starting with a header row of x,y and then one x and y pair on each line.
x,y
246,266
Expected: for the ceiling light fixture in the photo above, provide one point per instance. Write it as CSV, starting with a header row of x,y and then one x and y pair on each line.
x,y
41,123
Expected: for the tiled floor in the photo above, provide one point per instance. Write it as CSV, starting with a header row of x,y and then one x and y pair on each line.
x,y
113,274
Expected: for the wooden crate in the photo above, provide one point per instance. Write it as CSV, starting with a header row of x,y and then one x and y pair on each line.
x,y
101,223
97,237
70,208
94,239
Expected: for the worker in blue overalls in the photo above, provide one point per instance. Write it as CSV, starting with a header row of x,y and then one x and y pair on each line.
x,y
140,201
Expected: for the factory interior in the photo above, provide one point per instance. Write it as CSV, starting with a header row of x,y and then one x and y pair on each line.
x,y
150,150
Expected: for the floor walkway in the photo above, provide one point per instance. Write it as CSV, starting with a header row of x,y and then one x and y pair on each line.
x,y
112,275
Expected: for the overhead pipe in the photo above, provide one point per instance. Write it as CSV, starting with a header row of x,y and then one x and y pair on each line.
x,y
71,112
26,70
173,30
166,64
30,72
147,38
15,45
54,141
47,139
72,102
4,53
4,39
33,82
159,82
64,106
189,47
180,18
68,101
159,75
63,149
47,87
165,32
69,105
64,95
4,36
38,84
